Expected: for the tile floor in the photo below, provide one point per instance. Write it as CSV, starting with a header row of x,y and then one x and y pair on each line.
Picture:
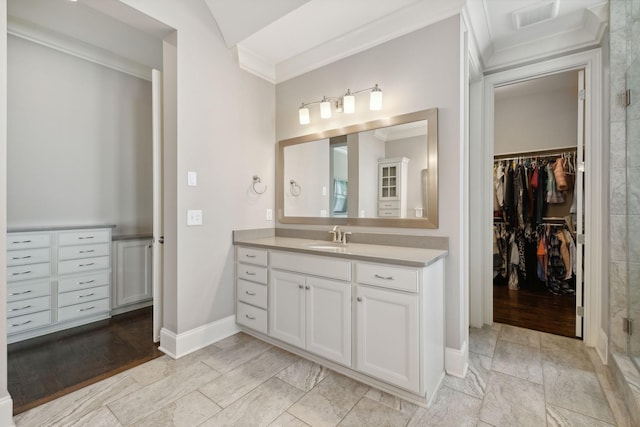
x,y
517,377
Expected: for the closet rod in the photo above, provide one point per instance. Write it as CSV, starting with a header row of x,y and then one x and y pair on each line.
x,y
539,153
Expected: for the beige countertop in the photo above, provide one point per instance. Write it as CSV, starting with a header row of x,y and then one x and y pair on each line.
x,y
407,256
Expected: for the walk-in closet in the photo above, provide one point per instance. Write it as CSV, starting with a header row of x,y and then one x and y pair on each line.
x,y
537,206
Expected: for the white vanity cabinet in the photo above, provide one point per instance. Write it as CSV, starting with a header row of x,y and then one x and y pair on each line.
x,y
311,312
251,288
132,277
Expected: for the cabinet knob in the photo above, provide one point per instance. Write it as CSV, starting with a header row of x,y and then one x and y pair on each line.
x,y
307,287
359,299
300,286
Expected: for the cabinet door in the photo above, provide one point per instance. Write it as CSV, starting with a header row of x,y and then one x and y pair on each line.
x,y
388,336
133,275
328,316
286,307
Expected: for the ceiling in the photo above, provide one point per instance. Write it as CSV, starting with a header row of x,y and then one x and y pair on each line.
x,y
281,39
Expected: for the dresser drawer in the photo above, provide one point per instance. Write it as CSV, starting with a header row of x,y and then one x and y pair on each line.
x,y
391,213
84,251
27,241
252,255
405,279
28,256
28,321
81,237
30,290
26,272
85,309
252,273
252,293
83,282
80,265
28,306
312,264
83,295
252,317
392,204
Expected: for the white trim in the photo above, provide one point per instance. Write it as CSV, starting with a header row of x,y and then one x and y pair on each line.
x,y
595,196
602,347
77,48
255,64
177,346
6,411
456,361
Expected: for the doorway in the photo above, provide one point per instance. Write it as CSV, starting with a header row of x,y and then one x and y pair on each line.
x,y
537,212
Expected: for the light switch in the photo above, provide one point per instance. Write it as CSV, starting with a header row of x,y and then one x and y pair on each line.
x,y
269,214
194,217
192,179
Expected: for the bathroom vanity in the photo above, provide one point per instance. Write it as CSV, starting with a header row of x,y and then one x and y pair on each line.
x,y
372,312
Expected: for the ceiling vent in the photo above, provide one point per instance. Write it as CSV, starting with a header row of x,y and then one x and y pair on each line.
x,y
535,14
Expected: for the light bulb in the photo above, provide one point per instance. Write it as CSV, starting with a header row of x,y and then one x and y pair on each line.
x,y
303,115
348,103
375,99
325,109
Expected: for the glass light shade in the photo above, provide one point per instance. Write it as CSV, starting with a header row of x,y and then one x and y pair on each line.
x,y
375,99
303,115
325,109
348,103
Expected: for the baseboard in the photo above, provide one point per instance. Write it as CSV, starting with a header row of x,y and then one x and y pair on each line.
x,y
6,411
177,346
456,361
602,346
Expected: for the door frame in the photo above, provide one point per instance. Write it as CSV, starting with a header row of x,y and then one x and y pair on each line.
x,y
596,188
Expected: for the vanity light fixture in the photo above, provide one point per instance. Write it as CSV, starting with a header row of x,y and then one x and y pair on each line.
x,y
344,104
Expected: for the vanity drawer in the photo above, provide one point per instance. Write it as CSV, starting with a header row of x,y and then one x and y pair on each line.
x,y
84,251
31,290
252,255
312,264
405,279
83,282
80,265
27,241
26,272
391,213
252,273
28,321
252,293
83,295
84,237
252,317
392,204
28,256
85,309
18,308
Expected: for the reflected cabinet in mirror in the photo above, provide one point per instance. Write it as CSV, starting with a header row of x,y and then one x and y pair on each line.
x,y
381,173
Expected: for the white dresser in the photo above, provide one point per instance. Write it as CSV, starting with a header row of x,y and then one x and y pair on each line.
x,y
57,279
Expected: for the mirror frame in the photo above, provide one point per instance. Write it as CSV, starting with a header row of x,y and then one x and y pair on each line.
x,y
430,206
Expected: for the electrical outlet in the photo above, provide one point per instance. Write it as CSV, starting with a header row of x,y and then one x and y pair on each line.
x,y
269,214
194,217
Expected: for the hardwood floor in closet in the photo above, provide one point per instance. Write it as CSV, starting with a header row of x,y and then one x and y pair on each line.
x,y
44,368
535,309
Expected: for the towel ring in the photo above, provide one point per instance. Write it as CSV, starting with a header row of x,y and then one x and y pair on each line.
x,y
256,180
295,189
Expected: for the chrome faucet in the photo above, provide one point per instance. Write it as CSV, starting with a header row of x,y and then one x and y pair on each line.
x,y
337,234
344,237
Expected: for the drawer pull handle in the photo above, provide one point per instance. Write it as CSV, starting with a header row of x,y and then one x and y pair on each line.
x,y
20,324
250,256
359,299
86,237
253,294
13,294
87,309
86,265
21,272
21,241
249,317
87,295
87,252
21,308
384,277
250,273
85,283
21,257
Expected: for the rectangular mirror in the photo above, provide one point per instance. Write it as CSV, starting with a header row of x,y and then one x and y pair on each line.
x,y
381,173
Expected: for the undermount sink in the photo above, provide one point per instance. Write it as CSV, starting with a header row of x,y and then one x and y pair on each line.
x,y
327,246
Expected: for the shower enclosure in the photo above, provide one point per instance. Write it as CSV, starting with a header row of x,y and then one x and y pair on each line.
x,y
633,205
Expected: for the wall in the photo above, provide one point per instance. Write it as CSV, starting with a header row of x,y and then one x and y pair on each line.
x,y
418,156
418,71
79,141
368,173
226,133
311,176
